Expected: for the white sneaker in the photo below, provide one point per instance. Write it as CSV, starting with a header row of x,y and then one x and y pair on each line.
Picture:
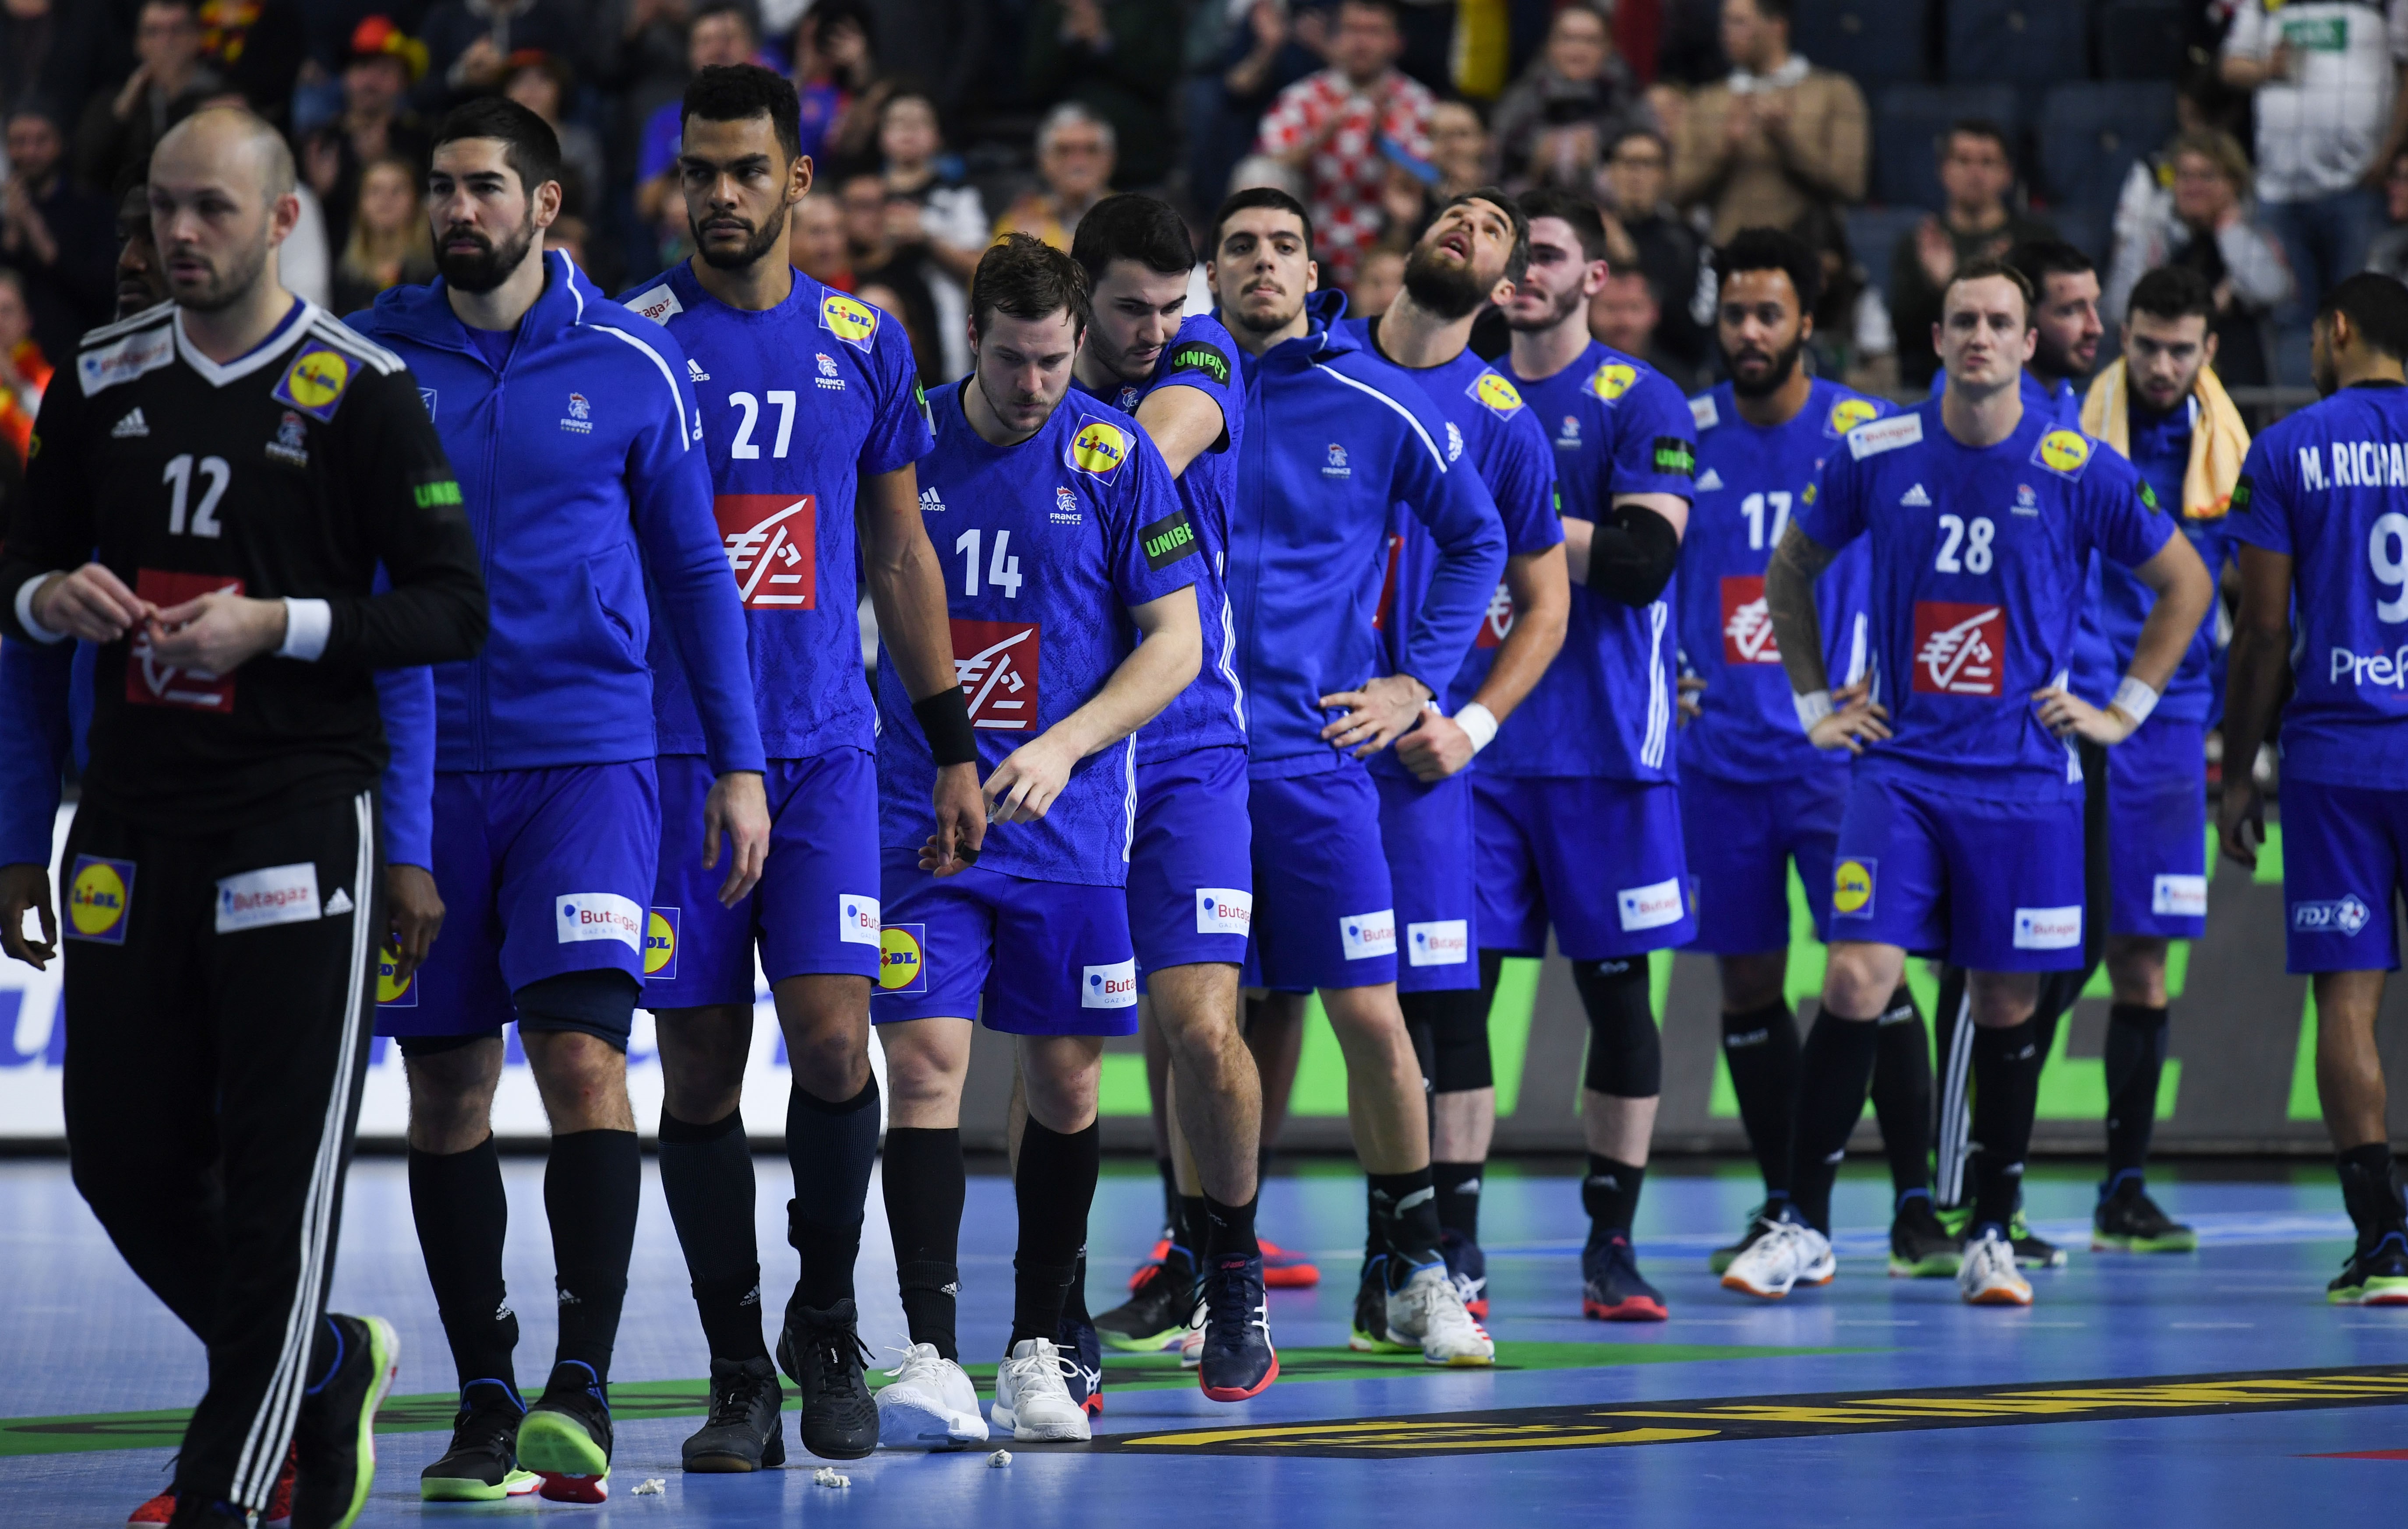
x,y
1429,1311
1030,1399
1788,1253
929,1404
1988,1277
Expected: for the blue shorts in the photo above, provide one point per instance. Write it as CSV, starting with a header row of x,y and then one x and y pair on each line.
x,y
815,913
1741,838
1601,860
1191,877
1049,958
2344,866
1325,916
1992,886
1426,831
2157,831
542,872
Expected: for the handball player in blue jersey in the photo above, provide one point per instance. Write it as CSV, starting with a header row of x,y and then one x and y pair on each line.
x,y
2321,514
813,419
1070,566
1471,254
1756,796
1575,814
1963,827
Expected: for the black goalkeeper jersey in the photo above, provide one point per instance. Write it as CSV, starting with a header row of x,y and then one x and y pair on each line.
x,y
293,472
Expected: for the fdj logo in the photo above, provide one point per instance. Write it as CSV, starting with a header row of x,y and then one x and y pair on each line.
x,y
902,959
2345,916
99,893
661,943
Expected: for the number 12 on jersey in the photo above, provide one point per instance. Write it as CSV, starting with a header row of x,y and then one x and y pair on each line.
x,y
1003,571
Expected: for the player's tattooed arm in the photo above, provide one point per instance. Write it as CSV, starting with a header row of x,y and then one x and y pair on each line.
x,y
907,591
1024,786
2184,592
1798,627
2261,661
1185,422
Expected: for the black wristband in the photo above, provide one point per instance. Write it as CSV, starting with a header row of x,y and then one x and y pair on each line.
x,y
945,719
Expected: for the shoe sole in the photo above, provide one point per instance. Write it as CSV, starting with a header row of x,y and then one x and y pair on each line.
x,y
904,1426
467,1489
2002,1296
384,1351
1362,1342
1131,1344
849,1449
1461,1362
1936,1267
1078,1433
556,1448
2101,1242
1635,1309
2388,1290
1235,1393
726,1462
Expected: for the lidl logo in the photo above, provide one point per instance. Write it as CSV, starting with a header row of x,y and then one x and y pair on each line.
x,y
2062,451
1852,888
1848,414
1495,392
395,991
848,320
1613,381
902,958
314,384
661,943
99,892
1099,450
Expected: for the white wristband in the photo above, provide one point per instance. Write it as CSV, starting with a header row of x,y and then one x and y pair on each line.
x,y
2135,699
307,623
34,628
1812,708
1478,723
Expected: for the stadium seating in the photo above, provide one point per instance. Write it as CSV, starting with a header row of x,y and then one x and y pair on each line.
x,y
1877,42
2029,43
2141,39
1908,120
2090,132
1873,233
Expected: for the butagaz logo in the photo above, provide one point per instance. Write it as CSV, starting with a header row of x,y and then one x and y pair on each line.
x,y
1675,457
2179,896
772,549
1567,434
661,943
1747,623
1108,987
1441,942
1959,649
1498,622
292,442
1848,414
996,665
1097,449
1167,539
2343,916
1454,441
1364,935
2390,670
931,503
1494,393
124,360
856,919
601,915
658,305
829,379
1613,379
1066,507
149,682
579,417
1915,498
1649,906
693,370
1710,483
1703,412
902,958
1223,910
2027,502
132,426
2048,928
1335,467
100,892
257,899
1852,887
1197,356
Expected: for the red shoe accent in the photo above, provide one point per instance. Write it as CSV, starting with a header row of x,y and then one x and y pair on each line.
x,y
1284,1270
279,1511
573,1489
1094,1404
158,1509
1635,1309
1478,1308
1161,1250
1226,1394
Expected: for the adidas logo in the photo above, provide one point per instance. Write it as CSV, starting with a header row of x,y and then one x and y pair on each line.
x,y
1711,481
930,504
1916,497
694,369
132,424
953,1287
339,903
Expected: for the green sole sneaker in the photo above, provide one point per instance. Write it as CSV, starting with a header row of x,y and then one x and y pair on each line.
x,y
2382,1289
553,1444
1721,1259
1134,1343
1930,1266
454,1489
1364,1343
2179,1242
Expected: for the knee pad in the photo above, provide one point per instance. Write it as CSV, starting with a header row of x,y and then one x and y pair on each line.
x,y
600,1002
1459,1042
1626,1053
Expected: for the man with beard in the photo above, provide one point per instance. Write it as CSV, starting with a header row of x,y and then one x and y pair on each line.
x,y
223,477
1756,796
1472,253
586,483
1575,809
795,470
1334,439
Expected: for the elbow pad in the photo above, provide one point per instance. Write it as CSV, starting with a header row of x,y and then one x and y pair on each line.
x,y
1630,557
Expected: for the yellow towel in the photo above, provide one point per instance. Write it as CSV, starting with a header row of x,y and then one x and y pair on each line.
x,y
2217,447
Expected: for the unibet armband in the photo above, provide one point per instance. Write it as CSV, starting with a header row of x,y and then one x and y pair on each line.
x,y
2135,699
945,719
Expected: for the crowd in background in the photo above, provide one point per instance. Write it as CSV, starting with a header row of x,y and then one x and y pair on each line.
x,y
935,125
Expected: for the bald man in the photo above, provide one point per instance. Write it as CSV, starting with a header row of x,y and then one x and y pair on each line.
x,y
245,506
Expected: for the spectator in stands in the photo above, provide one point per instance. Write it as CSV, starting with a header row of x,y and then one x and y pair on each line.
x,y
2197,218
1118,59
469,43
1980,221
947,47
120,126
389,244
542,84
2331,110
722,34
2388,251
1625,314
1555,124
1460,150
937,220
834,67
257,47
1264,52
1377,277
872,216
29,29
912,311
1330,127
375,123
643,63
1075,150
815,239
60,239
1779,137
1852,340
1669,250
24,371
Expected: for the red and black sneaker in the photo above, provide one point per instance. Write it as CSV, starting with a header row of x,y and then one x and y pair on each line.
x,y
1237,1361
1284,1270
1611,1289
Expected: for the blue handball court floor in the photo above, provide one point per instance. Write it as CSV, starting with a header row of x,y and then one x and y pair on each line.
x,y
2213,1388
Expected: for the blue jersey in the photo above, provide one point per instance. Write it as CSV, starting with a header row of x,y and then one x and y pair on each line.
x,y
800,403
1489,428
1750,481
2328,487
1212,712
1980,558
1604,708
1045,547
2119,602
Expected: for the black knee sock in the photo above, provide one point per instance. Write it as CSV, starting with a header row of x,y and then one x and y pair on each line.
x,y
2136,1054
590,1188
1404,1215
1191,1229
2006,1088
1169,1172
707,1177
1760,1049
1054,1189
1229,1229
1835,1067
831,1147
1902,1096
2368,1191
1459,1197
1609,1194
925,1188
456,1199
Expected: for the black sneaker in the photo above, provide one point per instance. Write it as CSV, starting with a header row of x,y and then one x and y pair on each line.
x,y
821,1352
742,1432
206,1513
2374,1275
1759,1221
1160,1305
565,1439
1920,1248
2032,1252
1611,1288
1467,1266
2128,1222
482,1464
1369,1335
335,1436
1238,1361
1078,1342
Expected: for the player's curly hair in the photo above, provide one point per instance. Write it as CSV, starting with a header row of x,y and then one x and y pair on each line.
x,y
734,93
1026,278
